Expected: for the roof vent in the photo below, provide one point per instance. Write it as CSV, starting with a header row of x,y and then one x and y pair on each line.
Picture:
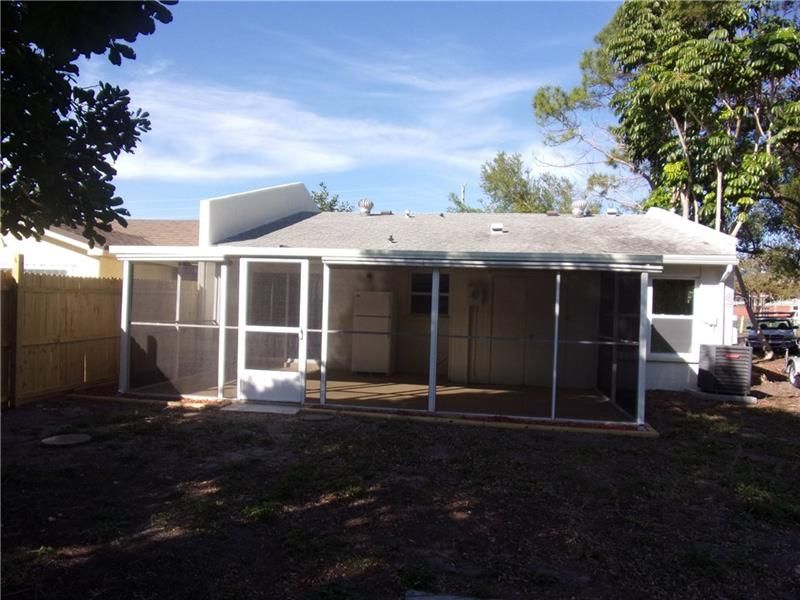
x,y
579,208
365,206
614,212
496,228
552,213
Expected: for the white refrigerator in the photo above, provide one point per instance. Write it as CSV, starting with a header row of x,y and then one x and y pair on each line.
x,y
372,346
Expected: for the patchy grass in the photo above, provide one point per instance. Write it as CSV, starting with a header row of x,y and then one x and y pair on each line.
x,y
161,504
263,511
765,504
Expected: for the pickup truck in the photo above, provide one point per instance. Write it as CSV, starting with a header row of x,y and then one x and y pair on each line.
x,y
778,331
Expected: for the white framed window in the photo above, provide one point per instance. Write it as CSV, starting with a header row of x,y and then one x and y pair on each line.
x,y
672,309
421,286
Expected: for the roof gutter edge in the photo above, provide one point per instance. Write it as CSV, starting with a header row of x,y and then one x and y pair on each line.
x,y
696,259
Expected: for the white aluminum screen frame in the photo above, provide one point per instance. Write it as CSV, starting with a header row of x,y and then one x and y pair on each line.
x,y
287,386
643,347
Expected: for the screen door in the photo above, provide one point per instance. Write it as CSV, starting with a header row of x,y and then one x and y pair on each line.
x,y
273,297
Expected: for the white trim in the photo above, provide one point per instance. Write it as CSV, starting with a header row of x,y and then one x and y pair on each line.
x,y
614,337
64,239
222,317
693,354
434,341
697,259
302,348
557,310
323,368
290,377
552,262
176,325
240,338
333,255
644,346
178,290
124,383
273,328
617,261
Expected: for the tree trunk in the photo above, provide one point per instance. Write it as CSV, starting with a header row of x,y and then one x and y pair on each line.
x,y
768,352
684,203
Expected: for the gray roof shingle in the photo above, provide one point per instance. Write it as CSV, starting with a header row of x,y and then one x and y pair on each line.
x,y
144,232
654,233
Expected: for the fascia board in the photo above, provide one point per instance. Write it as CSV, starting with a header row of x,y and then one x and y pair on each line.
x,y
374,256
696,259
63,239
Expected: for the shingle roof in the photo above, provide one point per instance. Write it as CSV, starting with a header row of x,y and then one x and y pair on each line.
x,y
654,233
144,232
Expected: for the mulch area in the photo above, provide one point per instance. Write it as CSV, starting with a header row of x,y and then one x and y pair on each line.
x,y
175,503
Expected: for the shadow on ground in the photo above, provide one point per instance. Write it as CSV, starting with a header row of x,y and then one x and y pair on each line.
x,y
173,504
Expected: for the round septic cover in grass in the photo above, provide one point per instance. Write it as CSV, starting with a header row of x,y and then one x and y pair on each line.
x,y
67,439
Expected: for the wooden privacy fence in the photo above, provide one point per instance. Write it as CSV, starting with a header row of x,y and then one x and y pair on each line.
x,y
58,333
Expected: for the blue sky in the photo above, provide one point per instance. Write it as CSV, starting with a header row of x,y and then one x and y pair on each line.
x,y
400,103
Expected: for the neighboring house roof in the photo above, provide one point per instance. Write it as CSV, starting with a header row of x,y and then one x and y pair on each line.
x,y
142,232
655,233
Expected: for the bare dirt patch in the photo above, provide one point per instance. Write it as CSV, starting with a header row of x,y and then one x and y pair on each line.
x,y
168,504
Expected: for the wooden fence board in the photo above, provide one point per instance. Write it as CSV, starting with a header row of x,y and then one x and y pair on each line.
x,y
67,333
8,327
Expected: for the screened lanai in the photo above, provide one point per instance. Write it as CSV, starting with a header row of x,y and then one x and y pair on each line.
x,y
557,342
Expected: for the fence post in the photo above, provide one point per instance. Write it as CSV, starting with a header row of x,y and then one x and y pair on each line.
x,y
15,384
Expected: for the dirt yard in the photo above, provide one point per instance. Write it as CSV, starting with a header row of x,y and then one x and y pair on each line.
x,y
165,503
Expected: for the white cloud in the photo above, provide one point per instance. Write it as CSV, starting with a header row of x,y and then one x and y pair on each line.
x,y
208,132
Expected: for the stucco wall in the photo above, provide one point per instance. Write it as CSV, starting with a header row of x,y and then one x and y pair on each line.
x,y
226,216
52,256
713,324
491,307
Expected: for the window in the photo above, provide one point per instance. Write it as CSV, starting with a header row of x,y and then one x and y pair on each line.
x,y
421,284
673,316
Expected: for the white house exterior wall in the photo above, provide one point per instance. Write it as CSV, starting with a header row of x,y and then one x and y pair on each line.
x,y
713,324
50,256
226,216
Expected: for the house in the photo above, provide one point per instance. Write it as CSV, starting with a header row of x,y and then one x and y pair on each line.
x,y
64,251
524,315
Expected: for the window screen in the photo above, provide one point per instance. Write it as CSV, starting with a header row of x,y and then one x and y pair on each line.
x,y
673,310
673,296
671,336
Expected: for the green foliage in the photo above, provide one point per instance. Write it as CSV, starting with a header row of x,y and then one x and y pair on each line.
x,y
707,104
763,276
459,206
328,203
58,137
723,77
510,186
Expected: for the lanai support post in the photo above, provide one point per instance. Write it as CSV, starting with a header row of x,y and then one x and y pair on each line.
x,y
434,342
323,367
644,342
556,310
222,303
125,330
